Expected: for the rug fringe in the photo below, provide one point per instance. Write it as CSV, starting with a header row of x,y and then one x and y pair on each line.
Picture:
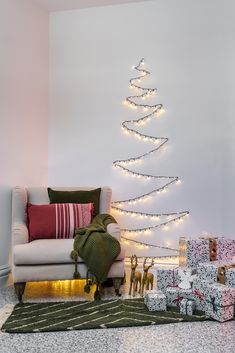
x,y
5,312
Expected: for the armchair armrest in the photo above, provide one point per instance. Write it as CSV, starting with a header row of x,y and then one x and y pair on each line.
x,y
114,230
20,234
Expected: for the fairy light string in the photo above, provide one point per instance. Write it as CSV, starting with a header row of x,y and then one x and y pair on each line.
x,y
146,245
125,165
172,258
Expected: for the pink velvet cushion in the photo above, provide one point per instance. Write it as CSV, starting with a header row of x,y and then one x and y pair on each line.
x,y
57,220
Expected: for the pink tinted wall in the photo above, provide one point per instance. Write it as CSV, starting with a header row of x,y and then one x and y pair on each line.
x,y
23,105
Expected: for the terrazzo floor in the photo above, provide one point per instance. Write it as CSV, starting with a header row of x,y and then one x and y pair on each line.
x,y
198,337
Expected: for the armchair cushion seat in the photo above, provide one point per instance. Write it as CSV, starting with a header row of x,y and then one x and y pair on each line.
x,y
48,251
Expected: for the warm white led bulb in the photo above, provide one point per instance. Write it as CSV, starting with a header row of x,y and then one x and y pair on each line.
x,y
147,231
162,110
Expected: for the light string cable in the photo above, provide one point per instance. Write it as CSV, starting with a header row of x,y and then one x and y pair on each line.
x,y
159,258
123,165
146,245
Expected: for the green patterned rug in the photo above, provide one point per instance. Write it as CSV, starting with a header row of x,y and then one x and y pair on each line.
x,y
64,316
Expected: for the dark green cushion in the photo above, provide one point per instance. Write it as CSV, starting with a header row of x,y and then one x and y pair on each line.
x,y
76,196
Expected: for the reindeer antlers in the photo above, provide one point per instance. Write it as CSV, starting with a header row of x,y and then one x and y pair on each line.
x,y
134,260
150,265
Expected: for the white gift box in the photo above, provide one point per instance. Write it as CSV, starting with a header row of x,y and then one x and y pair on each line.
x,y
187,307
220,302
166,277
230,277
193,251
149,292
209,271
155,301
225,248
172,277
174,295
200,290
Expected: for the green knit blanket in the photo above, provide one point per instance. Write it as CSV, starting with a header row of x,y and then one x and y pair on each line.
x,y
96,247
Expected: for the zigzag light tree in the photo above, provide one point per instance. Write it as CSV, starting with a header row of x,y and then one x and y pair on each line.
x,y
157,220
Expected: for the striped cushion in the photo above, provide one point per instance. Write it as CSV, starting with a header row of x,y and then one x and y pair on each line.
x,y
57,221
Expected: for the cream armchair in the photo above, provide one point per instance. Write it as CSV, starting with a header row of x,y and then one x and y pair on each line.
x,y
49,259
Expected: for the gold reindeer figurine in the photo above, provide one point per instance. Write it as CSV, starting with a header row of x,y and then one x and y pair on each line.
x,y
147,277
135,277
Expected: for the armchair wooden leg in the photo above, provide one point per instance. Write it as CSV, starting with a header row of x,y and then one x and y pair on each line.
x,y
19,290
117,284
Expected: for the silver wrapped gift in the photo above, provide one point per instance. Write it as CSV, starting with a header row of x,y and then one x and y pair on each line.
x,y
199,292
175,294
209,271
166,277
230,277
155,301
220,302
187,307
193,251
172,277
225,248
149,292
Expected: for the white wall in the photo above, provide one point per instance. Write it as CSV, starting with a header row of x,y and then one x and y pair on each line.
x,y
189,47
24,54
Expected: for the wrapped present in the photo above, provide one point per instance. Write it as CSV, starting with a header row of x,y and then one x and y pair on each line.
x,y
212,247
230,277
199,292
220,248
214,271
226,274
173,277
220,302
193,251
187,307
174,295
225,248
166,277
155,301
208,271
149,292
